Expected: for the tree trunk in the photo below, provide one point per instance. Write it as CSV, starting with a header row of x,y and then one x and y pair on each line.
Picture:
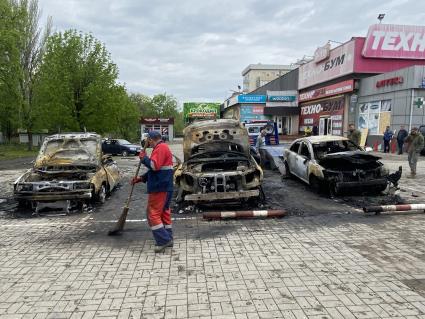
x,y
29,140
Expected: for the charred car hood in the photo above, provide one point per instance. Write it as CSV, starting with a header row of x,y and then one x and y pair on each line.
x,y
222,135
348,158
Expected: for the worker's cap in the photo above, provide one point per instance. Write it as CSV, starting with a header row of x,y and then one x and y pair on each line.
x,y
154,134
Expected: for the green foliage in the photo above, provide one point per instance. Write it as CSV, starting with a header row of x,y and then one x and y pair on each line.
x,y
77,85
160,105
10,97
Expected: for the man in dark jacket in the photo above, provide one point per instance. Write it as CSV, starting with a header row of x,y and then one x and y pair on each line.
x,y
159,179
388,136
401,136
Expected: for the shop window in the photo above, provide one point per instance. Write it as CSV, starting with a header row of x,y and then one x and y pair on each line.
x,y
374,116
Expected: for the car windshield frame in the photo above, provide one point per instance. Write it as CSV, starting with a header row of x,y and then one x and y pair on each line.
x,y
333,147
70,149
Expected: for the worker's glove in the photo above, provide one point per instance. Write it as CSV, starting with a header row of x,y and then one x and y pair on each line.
x,y
142,154
135,180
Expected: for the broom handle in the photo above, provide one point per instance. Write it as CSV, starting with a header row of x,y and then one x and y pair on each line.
x,y
137,174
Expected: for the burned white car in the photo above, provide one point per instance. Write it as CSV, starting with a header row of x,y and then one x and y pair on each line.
x,y
218,165
69,169
335,164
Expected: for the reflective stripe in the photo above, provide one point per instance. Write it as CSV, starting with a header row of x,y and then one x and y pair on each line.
x,y
168,226
159,226
164,168
152,165
228,214
262,213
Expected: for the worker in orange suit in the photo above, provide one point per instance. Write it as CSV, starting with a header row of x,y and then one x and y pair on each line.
x,y
159,180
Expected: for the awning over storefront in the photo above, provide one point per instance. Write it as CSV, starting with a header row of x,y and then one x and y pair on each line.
x,y
281,110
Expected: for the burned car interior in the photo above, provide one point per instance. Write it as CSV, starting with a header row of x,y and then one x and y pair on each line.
x,y
217,164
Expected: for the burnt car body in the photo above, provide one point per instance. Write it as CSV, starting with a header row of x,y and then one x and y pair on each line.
x,y
336,164
218,165
69,168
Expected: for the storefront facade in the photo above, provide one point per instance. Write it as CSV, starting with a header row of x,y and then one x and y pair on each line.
x,y
163,125
391,99
339,71
323,109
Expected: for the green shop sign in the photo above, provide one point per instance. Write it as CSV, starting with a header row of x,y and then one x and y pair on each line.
x,y
200,110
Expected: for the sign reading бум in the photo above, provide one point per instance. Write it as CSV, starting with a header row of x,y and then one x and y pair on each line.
x,y
395,42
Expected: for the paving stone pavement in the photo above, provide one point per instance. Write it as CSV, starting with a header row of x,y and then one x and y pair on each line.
x,y
327,266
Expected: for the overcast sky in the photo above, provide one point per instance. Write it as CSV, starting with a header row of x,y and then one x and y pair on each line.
x,y
196,49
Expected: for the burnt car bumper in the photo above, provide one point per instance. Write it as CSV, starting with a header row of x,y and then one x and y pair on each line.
x,y
375,184
55,196
208,197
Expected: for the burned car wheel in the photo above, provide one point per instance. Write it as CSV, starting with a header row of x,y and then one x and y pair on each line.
x,y
101,195
315,184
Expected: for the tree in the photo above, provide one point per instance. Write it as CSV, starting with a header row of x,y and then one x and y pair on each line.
x,y
160,105
31,46
77,87
10,98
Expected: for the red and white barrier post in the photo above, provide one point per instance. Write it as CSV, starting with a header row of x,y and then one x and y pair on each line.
x,y
393,208
244,214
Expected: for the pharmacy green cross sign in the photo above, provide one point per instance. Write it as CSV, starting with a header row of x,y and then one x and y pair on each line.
x,y
419,102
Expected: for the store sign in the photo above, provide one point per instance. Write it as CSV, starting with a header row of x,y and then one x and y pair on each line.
x,y
390,82
282,98
194,110
246,98
395,42
155,120
340,62
331,108
322,53
330,90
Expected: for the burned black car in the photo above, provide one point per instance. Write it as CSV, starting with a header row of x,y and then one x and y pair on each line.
x,y
336,164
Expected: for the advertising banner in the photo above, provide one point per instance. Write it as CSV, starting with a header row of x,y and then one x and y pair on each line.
x,y
340,62
246,98
200,110
392,41
282,98
332,109
252,112
330,90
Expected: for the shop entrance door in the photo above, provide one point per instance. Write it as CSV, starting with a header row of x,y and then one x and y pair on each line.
x,y
325,126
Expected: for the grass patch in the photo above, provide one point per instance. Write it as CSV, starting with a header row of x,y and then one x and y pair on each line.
x,y
12,151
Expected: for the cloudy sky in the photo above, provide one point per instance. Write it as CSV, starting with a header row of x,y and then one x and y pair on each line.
x,y
196,49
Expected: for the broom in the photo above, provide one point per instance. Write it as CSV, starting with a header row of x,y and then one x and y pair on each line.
x,y
121,221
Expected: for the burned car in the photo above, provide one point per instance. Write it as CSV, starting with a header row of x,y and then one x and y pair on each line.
x,y
218,165
69,169
335,164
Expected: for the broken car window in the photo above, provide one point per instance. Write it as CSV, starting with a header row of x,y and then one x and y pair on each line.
x,y
294,148
323,148
304,151
81,149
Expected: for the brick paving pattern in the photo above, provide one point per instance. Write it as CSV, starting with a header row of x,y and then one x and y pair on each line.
x,y
339,266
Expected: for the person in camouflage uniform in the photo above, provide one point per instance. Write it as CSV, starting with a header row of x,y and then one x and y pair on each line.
x,y
354,135
415,143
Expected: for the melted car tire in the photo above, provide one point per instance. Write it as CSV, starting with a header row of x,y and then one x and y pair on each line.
x,y
315,184
288,173
101,195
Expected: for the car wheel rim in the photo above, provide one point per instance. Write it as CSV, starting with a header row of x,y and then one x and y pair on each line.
x,y
124,153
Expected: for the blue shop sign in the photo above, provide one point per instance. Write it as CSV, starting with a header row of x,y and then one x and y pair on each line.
x,y
282,98
246,98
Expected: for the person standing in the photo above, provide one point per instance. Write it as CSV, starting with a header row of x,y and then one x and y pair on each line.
x,y
388,136
401,136
159,180
354,135
415,143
